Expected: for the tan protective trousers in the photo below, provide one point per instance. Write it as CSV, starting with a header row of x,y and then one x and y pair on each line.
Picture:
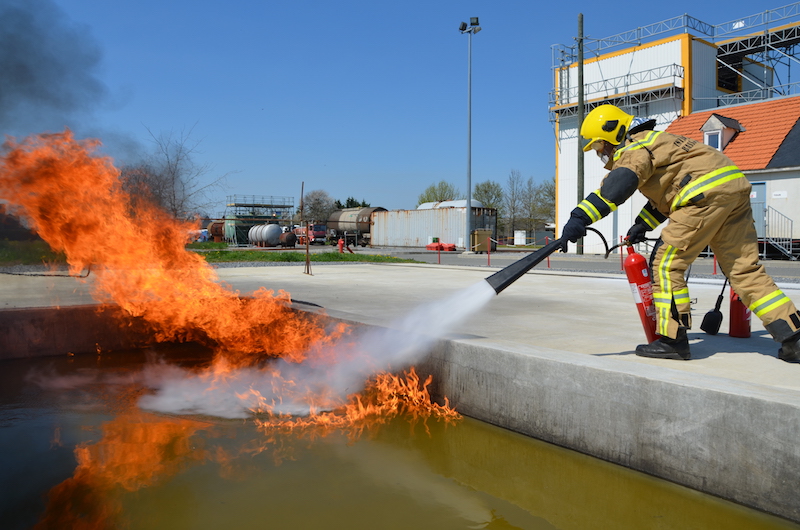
x,y
725,223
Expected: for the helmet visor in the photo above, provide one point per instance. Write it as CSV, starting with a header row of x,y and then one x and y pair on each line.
x,y
595,143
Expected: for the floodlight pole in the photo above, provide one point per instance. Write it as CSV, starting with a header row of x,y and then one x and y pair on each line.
x,y
472,29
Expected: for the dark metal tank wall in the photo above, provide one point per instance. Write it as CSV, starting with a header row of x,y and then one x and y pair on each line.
x,y
353,219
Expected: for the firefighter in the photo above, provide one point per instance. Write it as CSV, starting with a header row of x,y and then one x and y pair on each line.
x,y
707,201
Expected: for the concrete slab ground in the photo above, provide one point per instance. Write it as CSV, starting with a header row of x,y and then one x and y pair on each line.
x,y
552,357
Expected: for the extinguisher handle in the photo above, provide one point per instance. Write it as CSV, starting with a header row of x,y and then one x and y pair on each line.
x,y
625,243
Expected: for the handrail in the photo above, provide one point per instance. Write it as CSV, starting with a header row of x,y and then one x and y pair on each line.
x,y
778,231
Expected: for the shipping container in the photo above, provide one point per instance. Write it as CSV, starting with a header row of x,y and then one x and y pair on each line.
x,y
418,228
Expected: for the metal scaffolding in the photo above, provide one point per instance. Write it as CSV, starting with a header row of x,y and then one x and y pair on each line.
x,y
242,212
769,38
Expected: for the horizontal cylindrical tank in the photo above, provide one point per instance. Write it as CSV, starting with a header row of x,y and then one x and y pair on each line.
x,y
288,239
265,235
353,219
216,228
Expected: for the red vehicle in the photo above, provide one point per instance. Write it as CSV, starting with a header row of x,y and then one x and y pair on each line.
x,y
317,234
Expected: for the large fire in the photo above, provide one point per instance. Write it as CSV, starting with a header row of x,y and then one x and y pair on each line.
x,y
74,199
136,253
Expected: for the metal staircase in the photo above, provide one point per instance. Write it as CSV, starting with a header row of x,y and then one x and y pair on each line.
x,y
778,233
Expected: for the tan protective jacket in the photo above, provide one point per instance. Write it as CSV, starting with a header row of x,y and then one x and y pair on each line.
x,y
675,171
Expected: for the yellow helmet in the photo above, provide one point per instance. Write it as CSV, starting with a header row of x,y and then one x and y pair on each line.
x,y
605,122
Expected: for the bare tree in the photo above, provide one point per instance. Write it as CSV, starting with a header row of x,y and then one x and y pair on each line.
x,y
546,200
514,198
528,206
318,206
172,178
538,204
443,191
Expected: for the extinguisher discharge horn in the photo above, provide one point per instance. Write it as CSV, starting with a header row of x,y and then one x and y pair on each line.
x,y
508,275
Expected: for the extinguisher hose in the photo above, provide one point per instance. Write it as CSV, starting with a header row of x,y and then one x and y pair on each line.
x,y
721,295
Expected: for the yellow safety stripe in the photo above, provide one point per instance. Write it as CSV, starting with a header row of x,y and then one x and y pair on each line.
x,y
664,267
663,298
648,218
705,183
663,303
644,142
594,210
766,304
590,210
681,296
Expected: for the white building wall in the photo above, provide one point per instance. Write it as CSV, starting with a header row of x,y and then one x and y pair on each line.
x,y
624,73
783,192
704,80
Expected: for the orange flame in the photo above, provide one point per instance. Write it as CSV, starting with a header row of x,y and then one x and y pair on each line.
x,y
386,397
74,200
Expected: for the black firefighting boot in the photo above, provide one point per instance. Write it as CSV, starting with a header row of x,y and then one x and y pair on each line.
x,y
790,351
789,339
667,348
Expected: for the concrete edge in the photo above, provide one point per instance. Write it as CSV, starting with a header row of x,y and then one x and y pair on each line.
x,y
732,439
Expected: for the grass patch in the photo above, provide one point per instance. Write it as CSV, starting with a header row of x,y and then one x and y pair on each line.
x,y
206,245
38,253
28,253
223,256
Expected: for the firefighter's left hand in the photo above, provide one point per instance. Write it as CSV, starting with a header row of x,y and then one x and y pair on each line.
x,y
637,233
573,230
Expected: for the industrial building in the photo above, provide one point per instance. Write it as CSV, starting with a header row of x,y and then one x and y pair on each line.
x,y
726,85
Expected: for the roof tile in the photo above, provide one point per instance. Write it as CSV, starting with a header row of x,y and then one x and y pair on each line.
x,y
766,126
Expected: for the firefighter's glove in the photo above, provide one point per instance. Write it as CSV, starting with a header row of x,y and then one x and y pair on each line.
x,y
637,233
573,230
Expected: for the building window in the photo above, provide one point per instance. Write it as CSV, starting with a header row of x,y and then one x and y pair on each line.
x,y
713,139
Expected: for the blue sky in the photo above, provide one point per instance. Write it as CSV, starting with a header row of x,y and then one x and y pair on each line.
x,y
358,98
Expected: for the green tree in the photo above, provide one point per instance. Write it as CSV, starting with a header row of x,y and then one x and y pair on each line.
x,y
490,194
443,191
351,202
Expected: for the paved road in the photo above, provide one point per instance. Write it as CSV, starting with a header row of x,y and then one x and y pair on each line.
x,y
782,271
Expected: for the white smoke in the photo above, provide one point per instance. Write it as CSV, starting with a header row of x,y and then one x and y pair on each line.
x,y
297,389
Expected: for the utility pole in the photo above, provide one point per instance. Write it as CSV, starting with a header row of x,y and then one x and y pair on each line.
x,y
579,116
470,30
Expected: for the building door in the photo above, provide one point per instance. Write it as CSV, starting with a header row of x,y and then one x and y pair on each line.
x,y
758,201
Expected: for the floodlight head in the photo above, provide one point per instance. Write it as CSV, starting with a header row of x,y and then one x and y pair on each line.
x,y
474,21
475,29
462,26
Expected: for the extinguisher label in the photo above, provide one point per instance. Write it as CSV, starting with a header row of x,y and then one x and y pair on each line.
x,y
636,296
643,294
645,273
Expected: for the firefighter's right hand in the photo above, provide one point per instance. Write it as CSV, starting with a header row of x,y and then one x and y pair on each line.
x,y
573,230
637,233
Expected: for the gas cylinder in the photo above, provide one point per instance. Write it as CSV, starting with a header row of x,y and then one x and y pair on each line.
x,y
740,318
638,273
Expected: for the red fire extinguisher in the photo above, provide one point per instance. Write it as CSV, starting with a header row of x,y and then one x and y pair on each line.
x,y
638,273
740,318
